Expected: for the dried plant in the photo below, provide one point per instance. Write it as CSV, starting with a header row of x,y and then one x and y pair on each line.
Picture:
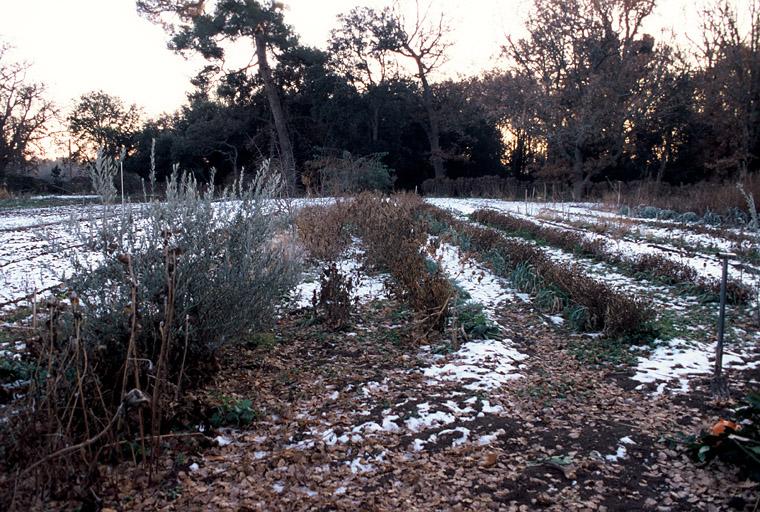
x,y
324,230
394,236
668,270
333,301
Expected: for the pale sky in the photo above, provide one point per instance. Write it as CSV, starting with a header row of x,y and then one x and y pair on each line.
x,y
76,46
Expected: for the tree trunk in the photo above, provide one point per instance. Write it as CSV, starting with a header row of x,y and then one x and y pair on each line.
x,y
434,133
375,123
579,183
286,147
664,158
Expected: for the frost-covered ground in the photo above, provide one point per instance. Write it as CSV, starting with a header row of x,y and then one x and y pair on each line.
x,y
706,265
487,363
36,250
443,416
690,353
37,244
364,287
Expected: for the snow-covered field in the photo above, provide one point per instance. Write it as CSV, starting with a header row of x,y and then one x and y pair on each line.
x,y
36,249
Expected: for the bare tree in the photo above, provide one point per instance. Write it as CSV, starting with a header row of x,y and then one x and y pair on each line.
x,y
591,63
729,84
24,113
424,40
193,28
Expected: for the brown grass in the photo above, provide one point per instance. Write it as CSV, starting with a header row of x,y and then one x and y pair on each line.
x,y
699,198
324,230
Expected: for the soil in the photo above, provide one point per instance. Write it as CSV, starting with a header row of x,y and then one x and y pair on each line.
x,y
554,446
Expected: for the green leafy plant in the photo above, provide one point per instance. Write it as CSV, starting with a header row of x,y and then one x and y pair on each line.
x,y
602,352
264,340
233,412
474,321
12,370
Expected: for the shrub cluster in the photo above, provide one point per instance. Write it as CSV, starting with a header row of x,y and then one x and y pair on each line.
x,y
656,265
587,303
165,286
482,186
333,174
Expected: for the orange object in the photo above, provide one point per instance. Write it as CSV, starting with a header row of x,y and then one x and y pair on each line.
x,y
720,427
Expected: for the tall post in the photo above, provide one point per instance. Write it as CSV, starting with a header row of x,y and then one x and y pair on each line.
x,y
121,171
720,384
122,155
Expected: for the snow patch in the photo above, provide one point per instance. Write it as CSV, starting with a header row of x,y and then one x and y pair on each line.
x,y
679,359
483,364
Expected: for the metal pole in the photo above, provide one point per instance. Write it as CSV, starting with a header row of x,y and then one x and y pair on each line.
x,y
720,385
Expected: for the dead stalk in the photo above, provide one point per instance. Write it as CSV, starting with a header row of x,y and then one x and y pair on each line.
x,y
166,334
184,357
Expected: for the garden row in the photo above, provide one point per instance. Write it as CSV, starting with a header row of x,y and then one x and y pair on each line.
x,y
586,303
393,235
393,238
655,266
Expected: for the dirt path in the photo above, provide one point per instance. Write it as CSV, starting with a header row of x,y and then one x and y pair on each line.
x,y
350,421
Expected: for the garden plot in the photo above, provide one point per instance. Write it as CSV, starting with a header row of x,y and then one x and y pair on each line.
x,y
36,245
665,232
696,249
28,261
453,411
661,295
13,219
28,266
468,206
706,266
671,364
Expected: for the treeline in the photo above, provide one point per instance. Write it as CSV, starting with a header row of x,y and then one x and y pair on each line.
x,y
588,96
